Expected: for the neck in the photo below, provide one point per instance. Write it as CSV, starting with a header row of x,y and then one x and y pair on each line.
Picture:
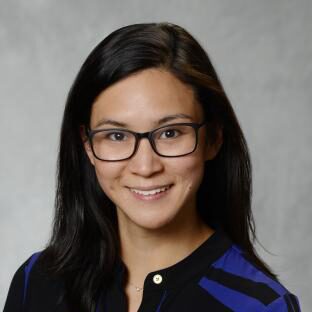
x,y
144,251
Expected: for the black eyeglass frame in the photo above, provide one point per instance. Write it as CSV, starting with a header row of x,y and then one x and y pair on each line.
x,y
148,135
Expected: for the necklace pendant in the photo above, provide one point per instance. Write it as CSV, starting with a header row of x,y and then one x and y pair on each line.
x,y
138,288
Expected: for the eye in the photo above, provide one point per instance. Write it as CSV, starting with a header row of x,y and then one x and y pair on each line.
x,y
169,133
116,136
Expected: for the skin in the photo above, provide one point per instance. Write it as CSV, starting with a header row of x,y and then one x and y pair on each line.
x,y
166,230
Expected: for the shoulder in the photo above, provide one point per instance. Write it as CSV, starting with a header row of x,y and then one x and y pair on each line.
x,y
32,288
235,281
14,299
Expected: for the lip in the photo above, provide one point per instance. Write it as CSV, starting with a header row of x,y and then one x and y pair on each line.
x,y
151,197
149,188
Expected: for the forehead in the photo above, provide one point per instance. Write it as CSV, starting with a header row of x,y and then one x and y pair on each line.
x,y
145,98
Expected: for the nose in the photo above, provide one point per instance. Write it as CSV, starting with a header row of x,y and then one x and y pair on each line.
x,y
145,162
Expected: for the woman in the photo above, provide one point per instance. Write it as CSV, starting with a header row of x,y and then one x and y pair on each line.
x,y
153,204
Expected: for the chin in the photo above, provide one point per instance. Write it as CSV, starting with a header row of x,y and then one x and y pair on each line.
x,y
153,223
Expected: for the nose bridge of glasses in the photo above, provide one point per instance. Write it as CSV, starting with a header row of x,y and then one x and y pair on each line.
x,y
145,135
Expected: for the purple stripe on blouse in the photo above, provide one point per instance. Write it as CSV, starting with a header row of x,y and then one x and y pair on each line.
x,y
234,263
27,270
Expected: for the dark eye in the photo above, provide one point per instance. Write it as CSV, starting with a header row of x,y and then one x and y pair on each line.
x,y
116,136
169,133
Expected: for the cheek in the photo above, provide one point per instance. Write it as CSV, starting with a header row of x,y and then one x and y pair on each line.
x,y
107,173
189,171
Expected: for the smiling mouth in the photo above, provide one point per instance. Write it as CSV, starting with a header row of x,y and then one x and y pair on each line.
x,y
152,191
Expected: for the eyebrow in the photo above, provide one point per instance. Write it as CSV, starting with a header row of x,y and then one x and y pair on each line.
x,y
161,121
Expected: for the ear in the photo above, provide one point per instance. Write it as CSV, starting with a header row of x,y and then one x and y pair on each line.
x,y
213,148
86,144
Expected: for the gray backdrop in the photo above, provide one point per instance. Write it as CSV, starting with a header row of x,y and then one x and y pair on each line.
x,y
262,51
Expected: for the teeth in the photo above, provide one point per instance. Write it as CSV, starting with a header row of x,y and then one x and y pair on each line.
x,y
151,192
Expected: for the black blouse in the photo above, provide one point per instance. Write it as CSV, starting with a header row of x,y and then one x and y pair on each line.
x,y
217,276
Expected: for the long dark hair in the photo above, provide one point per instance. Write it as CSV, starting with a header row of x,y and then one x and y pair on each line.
x,y
84,247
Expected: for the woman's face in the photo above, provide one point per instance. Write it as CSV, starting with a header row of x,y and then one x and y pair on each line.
x,y
139,102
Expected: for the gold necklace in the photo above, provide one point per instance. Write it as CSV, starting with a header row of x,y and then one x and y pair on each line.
x,y
137,288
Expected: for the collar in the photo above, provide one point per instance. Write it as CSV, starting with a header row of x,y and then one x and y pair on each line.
x,y
195,264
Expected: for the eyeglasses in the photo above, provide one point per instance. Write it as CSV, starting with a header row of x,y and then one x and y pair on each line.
x,y
117,144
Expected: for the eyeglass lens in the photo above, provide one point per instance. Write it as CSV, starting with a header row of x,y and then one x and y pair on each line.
x,y
116,144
